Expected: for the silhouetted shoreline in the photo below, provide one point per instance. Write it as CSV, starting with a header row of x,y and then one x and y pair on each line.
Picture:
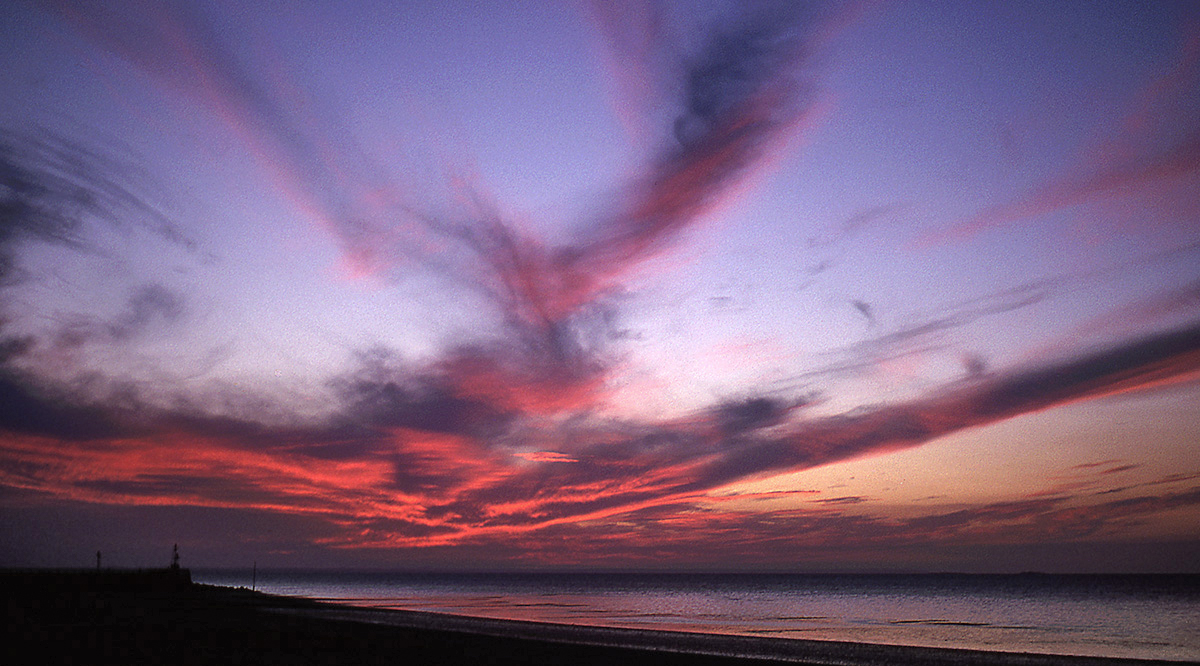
x,y
160,616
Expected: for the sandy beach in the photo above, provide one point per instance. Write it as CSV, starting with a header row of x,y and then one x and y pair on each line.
x,y
160,617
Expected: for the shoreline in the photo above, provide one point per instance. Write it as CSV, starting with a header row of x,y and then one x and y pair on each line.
x,y
744,649
87,617
740,648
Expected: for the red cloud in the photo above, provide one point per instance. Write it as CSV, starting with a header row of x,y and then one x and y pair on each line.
x,y
414,487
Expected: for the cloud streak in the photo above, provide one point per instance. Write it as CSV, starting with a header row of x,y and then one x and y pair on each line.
x,y
466,487
743,95
1181,160
52,189
1146,151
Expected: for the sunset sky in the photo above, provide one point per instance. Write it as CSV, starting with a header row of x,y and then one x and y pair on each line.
x,y
875,286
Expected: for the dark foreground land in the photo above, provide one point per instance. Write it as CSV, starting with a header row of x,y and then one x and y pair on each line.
x,y
160,617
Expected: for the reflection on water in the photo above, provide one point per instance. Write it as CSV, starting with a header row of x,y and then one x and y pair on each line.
x,y
1120,616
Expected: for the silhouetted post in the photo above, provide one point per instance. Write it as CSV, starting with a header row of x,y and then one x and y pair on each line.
x,y
254,576
175,559
97,560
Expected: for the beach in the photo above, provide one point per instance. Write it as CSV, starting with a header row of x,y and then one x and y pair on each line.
x,y
162,617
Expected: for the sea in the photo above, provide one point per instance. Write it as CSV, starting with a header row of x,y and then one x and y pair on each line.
x,y
1140,616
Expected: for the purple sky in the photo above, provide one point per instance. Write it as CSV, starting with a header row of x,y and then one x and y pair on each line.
x,y
868,286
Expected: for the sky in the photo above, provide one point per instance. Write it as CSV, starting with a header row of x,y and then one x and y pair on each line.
x,y
629,285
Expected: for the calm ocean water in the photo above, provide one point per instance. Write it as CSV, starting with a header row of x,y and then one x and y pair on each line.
x,y
1102,615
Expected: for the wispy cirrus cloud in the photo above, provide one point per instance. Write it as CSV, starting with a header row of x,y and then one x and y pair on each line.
x,y
1149,150
496,440
53,188
1179,161
415,455
740,87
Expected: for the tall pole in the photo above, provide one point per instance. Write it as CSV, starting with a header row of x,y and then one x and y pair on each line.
x,y
254,577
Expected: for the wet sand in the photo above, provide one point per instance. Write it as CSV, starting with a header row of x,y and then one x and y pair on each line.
x,y
160,617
